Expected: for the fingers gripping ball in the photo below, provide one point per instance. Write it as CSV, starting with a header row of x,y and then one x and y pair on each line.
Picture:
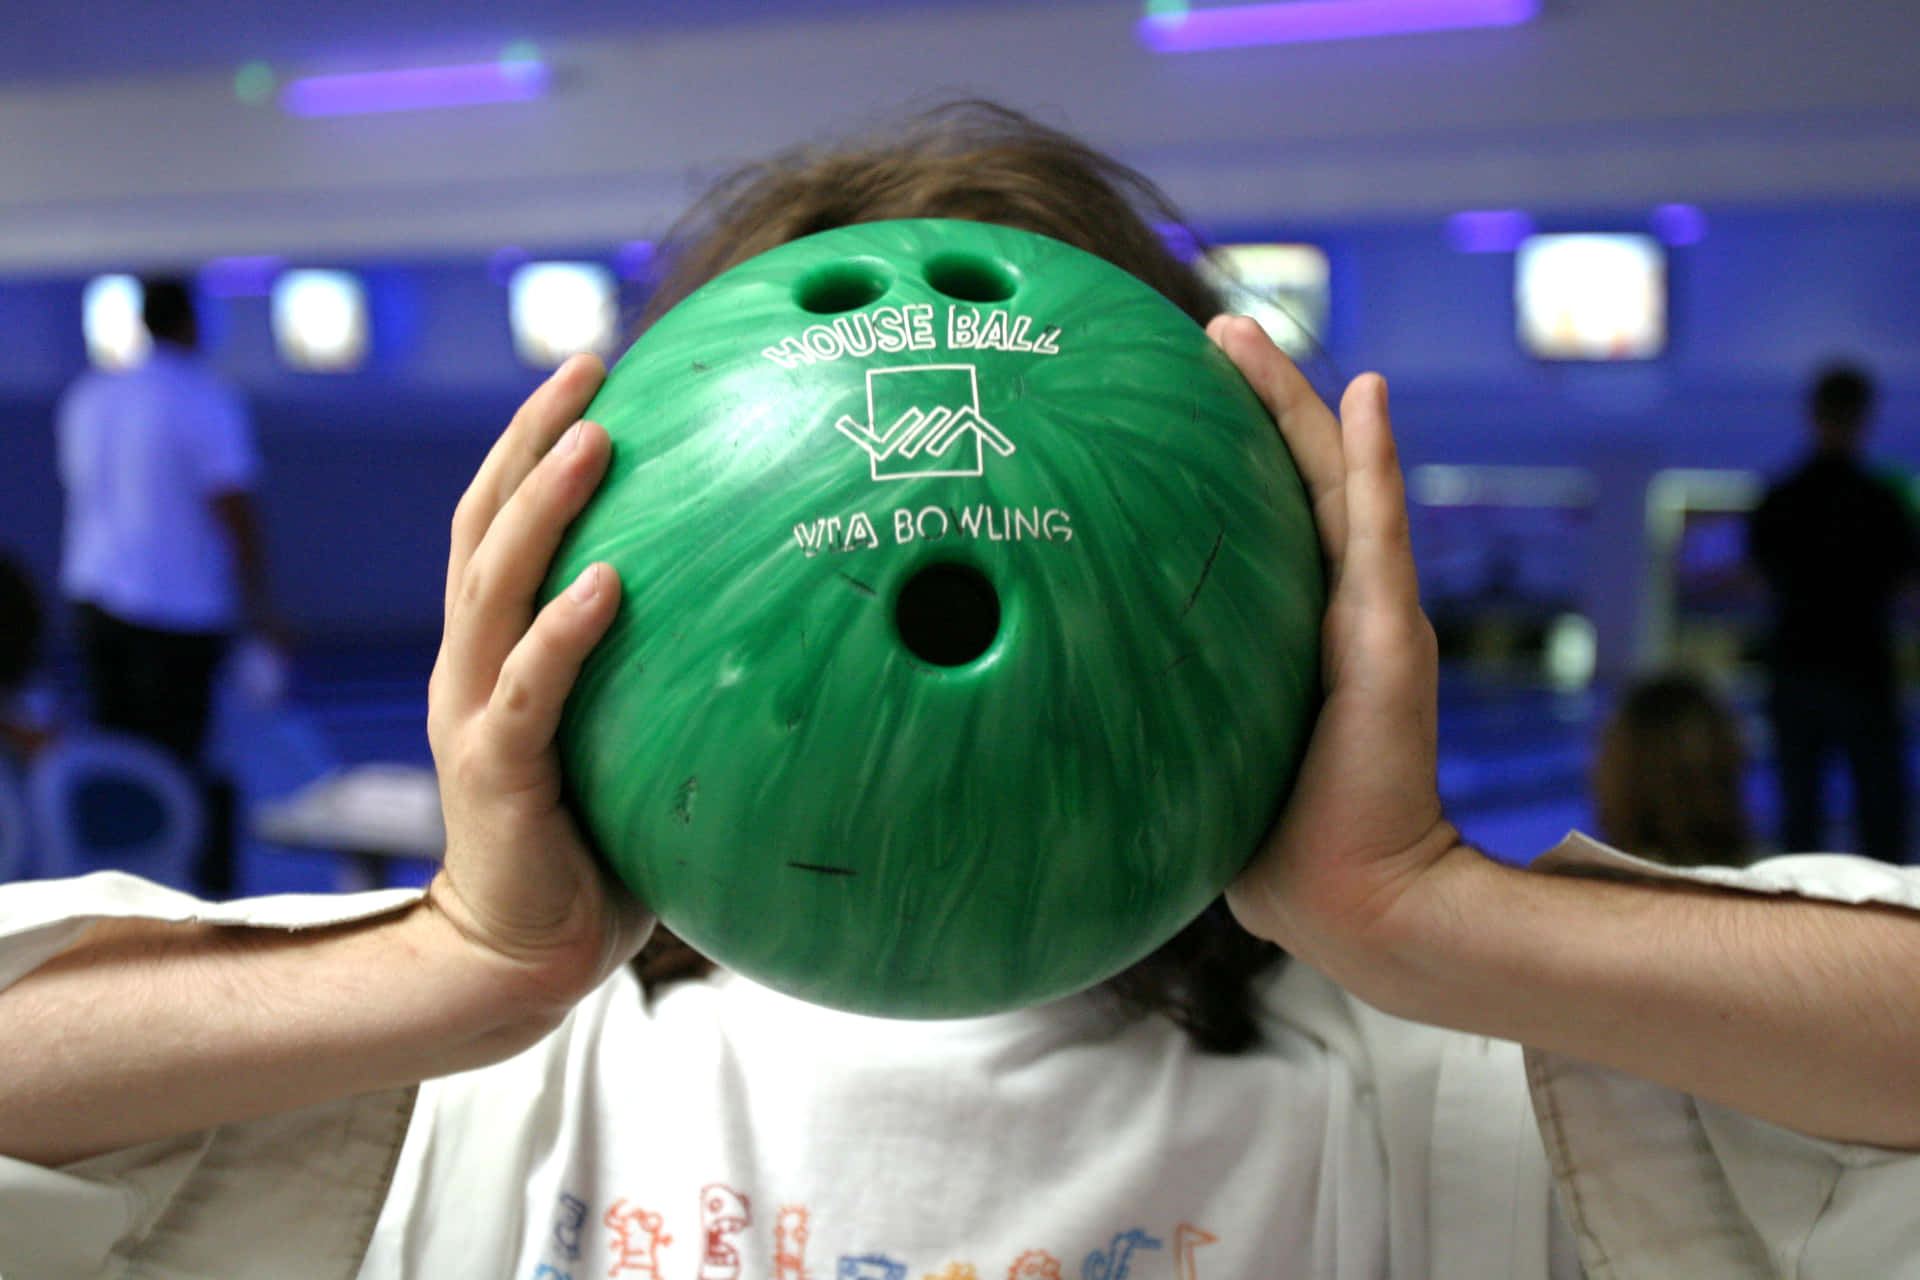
x,y
971,630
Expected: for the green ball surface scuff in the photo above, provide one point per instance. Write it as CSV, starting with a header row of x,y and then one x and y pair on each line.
x,y
970,635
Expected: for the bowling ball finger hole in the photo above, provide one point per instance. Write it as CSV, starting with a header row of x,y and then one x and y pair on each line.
x,y
947,614
841,286
969,277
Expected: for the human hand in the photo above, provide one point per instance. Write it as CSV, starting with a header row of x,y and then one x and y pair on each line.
x,y
1361,850
518,884
259,668
1733,997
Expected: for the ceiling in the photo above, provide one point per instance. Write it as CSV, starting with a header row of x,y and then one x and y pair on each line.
x,y
59,40
123,140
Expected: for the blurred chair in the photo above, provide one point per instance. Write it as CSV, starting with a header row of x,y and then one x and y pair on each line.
x,y
16,847
104,801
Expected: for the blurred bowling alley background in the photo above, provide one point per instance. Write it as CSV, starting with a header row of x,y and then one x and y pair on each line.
x,y
1598,247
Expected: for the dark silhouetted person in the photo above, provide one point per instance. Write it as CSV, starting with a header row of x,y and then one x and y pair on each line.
x,y
163,557
1669,774
1835,544
24,728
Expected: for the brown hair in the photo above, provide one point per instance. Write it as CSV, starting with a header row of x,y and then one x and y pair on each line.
x,y
983,162
972,160
1668,776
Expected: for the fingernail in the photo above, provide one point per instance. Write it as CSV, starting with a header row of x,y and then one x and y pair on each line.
x,y
586,586
570,441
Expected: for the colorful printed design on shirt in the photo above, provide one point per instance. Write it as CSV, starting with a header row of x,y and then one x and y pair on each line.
x,y
871,1266
723,1213
637,1238
1034,1264
790,1243
1116,1262
1187,1240
569,1216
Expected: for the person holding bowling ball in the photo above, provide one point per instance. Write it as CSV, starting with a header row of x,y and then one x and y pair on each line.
x,y
1458,1069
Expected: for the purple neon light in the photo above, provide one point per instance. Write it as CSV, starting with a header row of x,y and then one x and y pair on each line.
x,y
241,276
1489,230
1292,21
416,89
502,263
634,260
1679,224
1179,239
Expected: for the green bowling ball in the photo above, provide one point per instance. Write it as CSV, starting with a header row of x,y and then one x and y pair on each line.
x,y
970,637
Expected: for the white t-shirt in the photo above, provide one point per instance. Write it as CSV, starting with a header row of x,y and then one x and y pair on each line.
x,y
730,1132
143,453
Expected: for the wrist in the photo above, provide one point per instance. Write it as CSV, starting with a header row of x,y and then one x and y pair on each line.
x,y
1499,950
428,1003
525,984
1426,953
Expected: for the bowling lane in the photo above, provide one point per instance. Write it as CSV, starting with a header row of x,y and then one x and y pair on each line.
x,y
1513,764
1513,760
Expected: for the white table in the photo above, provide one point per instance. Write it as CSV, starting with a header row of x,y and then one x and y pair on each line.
x,y
371,813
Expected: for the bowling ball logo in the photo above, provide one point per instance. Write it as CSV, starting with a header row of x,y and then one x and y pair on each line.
x,y
970,632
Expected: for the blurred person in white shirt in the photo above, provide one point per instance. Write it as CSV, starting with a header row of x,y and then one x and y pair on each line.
x,y
163,556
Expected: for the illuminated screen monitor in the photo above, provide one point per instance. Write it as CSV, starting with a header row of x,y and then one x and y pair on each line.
x,y
110,318
559,309
320,320
1283,286
1591,296
1704,605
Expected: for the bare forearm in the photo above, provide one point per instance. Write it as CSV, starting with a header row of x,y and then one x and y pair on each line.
x,y
1799,1012
144,1029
